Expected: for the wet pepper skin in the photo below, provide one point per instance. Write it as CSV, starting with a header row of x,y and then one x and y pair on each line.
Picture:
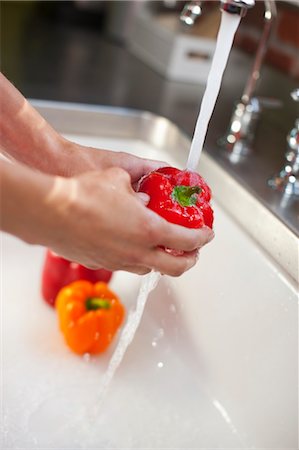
x,y
180,196
58,272
89,316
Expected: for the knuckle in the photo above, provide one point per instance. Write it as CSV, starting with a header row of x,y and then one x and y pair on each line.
x,y
177,272
190,245
206,235
119,173
134,258
183,264
178,269
151,231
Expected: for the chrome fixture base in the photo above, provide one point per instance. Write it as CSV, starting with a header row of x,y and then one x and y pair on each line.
x,y
239,139
241,131
287,180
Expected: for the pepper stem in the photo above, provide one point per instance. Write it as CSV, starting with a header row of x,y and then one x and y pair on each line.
x,y
94,303
186,195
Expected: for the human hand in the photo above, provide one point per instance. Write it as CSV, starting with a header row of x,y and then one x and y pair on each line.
x,y
38,145
99,221
79,159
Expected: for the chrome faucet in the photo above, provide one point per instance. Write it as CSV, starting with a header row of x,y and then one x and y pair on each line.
x,y
192,10
239,138
287,180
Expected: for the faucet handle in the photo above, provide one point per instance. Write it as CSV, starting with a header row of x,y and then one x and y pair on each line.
x,y
240,135
270,102
191,11
287,180
293,136
295,95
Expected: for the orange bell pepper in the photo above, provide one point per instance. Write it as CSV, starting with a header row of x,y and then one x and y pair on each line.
x,y
89,316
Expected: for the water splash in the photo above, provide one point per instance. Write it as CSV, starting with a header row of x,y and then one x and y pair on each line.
x,y
228,28
148,283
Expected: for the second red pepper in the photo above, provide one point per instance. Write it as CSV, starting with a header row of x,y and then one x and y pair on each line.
x,y
58,272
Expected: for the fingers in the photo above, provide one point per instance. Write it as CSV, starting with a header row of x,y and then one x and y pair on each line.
x,y
136,269
182,238
141,167
168,264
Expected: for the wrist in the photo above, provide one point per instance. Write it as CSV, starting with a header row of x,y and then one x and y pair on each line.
x,y
27,210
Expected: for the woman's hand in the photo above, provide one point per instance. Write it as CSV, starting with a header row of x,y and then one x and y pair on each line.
x,y
79,159
102,222
81,202
95,219
25,136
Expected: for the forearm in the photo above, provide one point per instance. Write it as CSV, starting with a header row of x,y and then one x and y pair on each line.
x,y
26,209
25,135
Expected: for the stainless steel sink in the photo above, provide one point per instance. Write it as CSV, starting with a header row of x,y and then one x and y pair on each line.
x,y
214,361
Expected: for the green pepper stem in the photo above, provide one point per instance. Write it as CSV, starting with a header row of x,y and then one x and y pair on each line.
x,y
186,195
94,303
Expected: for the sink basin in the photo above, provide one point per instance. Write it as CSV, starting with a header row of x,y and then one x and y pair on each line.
x,y
213,364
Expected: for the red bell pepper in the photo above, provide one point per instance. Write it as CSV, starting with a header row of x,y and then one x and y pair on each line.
x,y
180,196
58,272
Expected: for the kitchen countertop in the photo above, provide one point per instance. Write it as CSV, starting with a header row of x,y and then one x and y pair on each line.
x,y
67,62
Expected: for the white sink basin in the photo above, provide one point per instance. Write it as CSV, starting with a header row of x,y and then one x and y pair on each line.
x,y
213,364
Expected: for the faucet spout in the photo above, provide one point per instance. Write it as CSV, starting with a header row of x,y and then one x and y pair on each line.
x,y
239,7
192,10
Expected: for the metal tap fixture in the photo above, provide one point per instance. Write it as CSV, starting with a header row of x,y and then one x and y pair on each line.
x,y
239,138
239,7
287,180
193,9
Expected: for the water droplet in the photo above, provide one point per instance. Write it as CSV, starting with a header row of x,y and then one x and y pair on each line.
x,y
160,333
172,308
160,364
97,336
154,344
86,357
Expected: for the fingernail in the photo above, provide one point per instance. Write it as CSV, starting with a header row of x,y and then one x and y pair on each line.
x,y
211,236
143,197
